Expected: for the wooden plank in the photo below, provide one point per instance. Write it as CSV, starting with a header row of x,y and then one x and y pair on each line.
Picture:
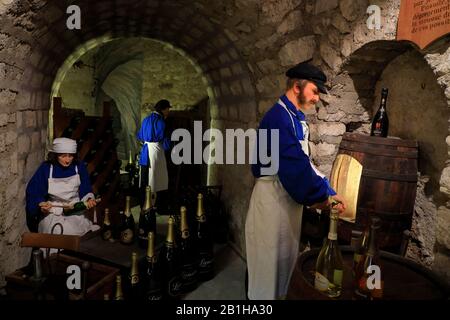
x,y
46,240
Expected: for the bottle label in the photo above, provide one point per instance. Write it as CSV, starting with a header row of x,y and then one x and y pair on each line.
x,y
321,283
127,236
134,279
337,277
174,286
107,235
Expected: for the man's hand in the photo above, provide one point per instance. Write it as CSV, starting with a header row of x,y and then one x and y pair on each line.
x,y
91,203
341,206
45,207
325,205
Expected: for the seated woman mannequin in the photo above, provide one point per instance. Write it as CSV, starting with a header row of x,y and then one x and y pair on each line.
x,y
60,181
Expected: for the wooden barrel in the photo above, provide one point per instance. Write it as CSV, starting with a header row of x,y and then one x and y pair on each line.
x,y
387,186
403,279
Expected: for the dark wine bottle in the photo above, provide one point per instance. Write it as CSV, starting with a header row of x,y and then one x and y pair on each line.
x,y
127,233
135,293
369,283
169,263
147,219
204,244
153,281
189,270
106,227
380,123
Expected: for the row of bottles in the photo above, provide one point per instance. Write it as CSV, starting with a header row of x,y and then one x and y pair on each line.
x,y
183,261
329,269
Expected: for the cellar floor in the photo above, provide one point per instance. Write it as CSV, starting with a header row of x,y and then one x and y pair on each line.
x,y
229,282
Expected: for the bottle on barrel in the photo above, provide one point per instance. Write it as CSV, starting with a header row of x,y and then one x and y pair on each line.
x,y
189,272
119,292
329,265
153,290
204,244
380,123
147,219
135,293
127,233
169,264
368,275
106,227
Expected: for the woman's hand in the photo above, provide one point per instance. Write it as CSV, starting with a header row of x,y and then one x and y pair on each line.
x,y
91,203
45,207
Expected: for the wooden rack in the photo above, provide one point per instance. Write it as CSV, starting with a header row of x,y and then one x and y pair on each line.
x,y
97,148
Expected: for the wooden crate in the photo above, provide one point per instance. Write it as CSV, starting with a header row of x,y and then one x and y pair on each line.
x,y
100,281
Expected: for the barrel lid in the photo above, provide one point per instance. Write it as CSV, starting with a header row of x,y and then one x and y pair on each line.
x,y
350,136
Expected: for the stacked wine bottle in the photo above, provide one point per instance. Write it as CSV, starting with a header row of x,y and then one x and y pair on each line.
x,y
185,259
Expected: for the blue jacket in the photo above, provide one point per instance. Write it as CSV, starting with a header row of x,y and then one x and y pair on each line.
x,y
152,130
295,171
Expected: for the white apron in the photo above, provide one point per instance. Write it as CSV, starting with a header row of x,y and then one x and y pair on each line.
x,y
64,191
158,178
272,233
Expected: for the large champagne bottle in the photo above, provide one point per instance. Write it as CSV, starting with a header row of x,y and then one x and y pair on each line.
x,y
147,219
329,265
127,234
380,123
169,264
153,281
119,292
369,284
204,244
107,232
134,278
189,272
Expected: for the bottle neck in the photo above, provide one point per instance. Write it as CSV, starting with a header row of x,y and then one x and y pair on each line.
x,y
127,206
373,248
184,228
151,245
106,220
383,102
170,234
148,199
332,233
200,216
134,267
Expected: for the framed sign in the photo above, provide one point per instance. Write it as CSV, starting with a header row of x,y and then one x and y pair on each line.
x,y
423,21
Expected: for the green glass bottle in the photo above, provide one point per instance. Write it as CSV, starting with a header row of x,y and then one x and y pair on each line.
x,y
329,264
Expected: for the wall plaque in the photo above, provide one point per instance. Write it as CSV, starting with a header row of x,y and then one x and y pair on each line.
x,y
423,21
